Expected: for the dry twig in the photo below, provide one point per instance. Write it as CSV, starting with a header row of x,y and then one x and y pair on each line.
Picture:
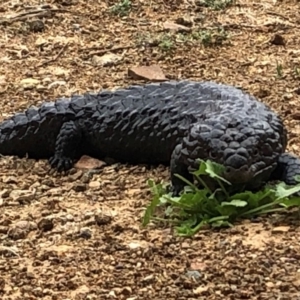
x,y
53,59
43,11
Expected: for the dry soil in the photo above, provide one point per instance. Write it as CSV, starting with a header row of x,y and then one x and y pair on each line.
x,y
78,236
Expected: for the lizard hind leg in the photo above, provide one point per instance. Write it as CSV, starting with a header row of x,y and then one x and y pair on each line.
x,y
288,167
67,147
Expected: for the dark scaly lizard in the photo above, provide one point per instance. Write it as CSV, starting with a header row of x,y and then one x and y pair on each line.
x,y
173,123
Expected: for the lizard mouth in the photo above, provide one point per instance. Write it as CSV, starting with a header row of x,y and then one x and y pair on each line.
x,y
238,176
246,174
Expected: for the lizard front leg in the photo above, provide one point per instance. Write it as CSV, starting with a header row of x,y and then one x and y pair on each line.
x,y
178,167
67,147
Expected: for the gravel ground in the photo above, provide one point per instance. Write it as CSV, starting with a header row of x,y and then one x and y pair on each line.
x,y
79,235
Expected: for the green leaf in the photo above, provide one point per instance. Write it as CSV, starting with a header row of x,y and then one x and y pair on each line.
x,y
158,191
221,223
284,191
218,219
175,201
217,194
212,169
297,178
202,168
169,210
149,211
189,184
258,210
196,207
187,230
289,202
235,202
255,199
229,211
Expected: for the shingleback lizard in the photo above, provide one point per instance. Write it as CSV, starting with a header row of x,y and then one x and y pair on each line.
x,y
173,122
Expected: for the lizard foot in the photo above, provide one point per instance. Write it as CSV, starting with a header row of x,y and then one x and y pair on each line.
x,y
61,163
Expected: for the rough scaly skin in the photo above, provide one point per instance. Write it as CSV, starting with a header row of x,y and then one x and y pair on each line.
x,y
171,122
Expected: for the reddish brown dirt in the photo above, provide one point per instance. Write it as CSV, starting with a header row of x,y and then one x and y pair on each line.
x,y
78,236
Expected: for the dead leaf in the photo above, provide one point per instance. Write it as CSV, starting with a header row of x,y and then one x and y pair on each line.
x,y
198,265
58,71
29,83
22,196
56,83
87,162
94,185
138,244
170,26
201,290
153,73
108,59
280,229
41,42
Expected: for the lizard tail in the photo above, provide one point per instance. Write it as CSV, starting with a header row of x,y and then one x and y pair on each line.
x,y
33,133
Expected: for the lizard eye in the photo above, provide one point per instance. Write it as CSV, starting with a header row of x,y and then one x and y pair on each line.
x,y
213,154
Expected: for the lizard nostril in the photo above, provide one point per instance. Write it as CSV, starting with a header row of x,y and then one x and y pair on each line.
x,y
228,170
244,168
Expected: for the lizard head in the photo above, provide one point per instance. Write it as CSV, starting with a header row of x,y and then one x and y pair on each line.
x,y
248,148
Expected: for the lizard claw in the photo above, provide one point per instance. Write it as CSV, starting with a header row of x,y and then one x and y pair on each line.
x,y
61,163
